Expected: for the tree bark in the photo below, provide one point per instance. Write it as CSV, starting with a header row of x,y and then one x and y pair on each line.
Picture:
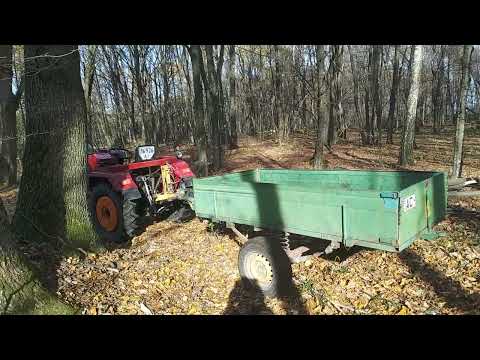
x,y
233,99
460,130
89,76
375,88
406,149
9,103
437,96
318,157
20,290
393,96
355,85
279,111
212,83
336,120
52,199
200,134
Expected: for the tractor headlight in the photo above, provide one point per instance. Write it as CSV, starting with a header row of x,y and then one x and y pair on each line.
x,y
144,152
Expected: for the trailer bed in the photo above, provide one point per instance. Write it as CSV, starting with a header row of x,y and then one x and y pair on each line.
x,y
385,210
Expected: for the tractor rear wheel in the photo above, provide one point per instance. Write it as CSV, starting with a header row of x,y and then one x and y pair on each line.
x,y
263,264
115,219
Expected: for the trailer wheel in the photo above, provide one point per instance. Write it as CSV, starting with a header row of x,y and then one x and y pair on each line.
x,y
114,218
262,263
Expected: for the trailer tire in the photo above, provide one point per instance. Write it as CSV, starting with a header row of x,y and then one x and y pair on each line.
x,y
264,265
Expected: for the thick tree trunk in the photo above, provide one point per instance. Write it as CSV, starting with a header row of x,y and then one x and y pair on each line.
x,y
20,290
406,149
52,200
89,76
200,134
458,150
214,103
318,157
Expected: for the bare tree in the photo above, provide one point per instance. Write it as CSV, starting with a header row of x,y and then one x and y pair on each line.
x,y
336,118
406,149
233,98
437,94
393,95
318,159
460,129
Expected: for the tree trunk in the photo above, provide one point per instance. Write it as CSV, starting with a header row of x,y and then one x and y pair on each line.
x,y
89,75
355,85
406,149
20,290
214,103
369,137
375,88
200,134
379,100
393,96
458,150
437,96
233,99
8,107
279,111
337,118
52,199
318,157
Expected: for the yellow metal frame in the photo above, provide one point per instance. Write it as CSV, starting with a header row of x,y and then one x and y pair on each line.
x,y
168,192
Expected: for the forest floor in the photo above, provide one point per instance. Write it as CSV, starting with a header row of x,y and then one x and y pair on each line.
x,y
191,268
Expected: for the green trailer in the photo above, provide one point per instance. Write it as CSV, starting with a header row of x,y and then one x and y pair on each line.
x,y
384,210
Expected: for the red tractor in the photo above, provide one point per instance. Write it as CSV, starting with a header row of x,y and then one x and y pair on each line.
x,y
124,191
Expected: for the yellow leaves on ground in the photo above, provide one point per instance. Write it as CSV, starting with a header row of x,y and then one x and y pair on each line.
x,y
189,269
403,311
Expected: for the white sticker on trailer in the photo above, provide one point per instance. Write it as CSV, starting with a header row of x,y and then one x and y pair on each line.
x,y
409,202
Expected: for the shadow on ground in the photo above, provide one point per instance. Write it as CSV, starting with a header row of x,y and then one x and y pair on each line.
x,y
449,289
247,299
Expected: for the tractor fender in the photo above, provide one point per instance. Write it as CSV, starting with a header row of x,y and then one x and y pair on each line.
x,y
119,181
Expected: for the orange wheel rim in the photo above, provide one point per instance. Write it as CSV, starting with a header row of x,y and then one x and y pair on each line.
x,y
107,215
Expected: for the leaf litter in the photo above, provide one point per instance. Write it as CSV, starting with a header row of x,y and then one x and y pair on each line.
x,y
191,269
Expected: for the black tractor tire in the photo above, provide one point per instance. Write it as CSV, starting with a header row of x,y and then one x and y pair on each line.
x,y
182,213
130,214
269,250
134,216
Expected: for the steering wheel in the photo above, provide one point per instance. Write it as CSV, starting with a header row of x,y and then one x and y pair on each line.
x,y
119,151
